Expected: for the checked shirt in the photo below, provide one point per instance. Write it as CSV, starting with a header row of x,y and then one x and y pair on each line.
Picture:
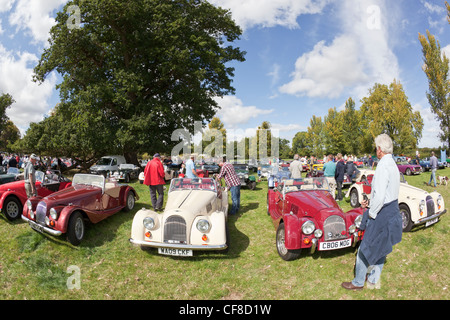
x,y
231,178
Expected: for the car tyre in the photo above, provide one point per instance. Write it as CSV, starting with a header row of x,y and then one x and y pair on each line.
x,y
12,208
406,217
284,253
408,172
75,228
129,205
354,202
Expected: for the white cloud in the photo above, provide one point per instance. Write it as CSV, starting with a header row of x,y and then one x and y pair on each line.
x,y
6,5
270,13
431,129
233,112
357,58
31,99
34,16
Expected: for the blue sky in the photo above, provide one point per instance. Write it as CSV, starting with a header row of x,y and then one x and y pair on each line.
x,y
303,57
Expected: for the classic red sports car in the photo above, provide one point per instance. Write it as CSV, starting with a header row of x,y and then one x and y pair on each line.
x,y
91,197
306,216
13,195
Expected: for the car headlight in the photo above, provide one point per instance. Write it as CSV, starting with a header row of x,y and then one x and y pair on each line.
x,y
203,225
149,223
439,202
308,227
358,221
352,229
318,233
29,205
422,207
53,214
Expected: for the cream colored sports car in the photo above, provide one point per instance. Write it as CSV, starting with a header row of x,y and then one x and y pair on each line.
x,y
195,218
417,206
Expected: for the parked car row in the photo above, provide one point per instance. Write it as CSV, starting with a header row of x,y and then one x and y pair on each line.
x,y
304,213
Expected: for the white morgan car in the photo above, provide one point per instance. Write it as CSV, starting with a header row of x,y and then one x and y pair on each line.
x,y
417,206
195,218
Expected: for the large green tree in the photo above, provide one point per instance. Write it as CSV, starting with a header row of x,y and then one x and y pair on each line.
x,y
144,67
436,68
6,101
387,110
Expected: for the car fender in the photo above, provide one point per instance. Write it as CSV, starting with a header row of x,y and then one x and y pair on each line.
x,y
358,187
14,194
293,231
138,229
216,235
64,217
124,196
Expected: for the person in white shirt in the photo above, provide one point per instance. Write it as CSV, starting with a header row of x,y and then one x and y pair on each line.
x,y
382,222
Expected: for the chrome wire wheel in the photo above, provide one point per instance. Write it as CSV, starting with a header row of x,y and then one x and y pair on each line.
x,y
284,253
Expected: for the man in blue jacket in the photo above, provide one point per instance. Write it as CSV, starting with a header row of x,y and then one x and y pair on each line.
x,y
382,221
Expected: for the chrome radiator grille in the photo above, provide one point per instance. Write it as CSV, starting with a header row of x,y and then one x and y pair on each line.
x,y
333,228
175,230
41,212
430,206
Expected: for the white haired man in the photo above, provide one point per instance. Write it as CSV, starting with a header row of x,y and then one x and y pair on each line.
x,y
382,221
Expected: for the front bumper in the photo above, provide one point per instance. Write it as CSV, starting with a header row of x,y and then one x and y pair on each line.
x,y
425,220
41,228
177,246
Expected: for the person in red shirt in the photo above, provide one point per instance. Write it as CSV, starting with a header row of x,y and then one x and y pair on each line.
x,y
154,178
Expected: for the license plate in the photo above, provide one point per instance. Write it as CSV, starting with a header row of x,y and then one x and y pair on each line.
x,y
433,221
175,252
332,245
36,227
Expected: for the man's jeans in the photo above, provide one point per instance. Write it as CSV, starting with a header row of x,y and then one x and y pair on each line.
x,y
433,177
235,199
363,269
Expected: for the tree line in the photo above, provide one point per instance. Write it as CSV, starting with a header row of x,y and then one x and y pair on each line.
x,y
135,71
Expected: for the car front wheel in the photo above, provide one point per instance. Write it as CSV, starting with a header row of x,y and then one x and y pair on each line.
x,y
284,253
354,198
75,229
12,208
406,217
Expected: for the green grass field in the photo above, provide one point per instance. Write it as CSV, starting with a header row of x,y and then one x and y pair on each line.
x,y
36,266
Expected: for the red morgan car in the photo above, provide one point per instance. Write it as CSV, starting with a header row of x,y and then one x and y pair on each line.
x,y
90,198
306,216
13,195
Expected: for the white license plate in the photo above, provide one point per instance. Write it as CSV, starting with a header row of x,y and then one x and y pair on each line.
x,y
36,227
175,252
332,245
433,221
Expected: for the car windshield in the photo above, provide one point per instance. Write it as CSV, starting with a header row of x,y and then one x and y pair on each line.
x,y
89,179
13,170
104,162
403,163
196,184
292,185
40,176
